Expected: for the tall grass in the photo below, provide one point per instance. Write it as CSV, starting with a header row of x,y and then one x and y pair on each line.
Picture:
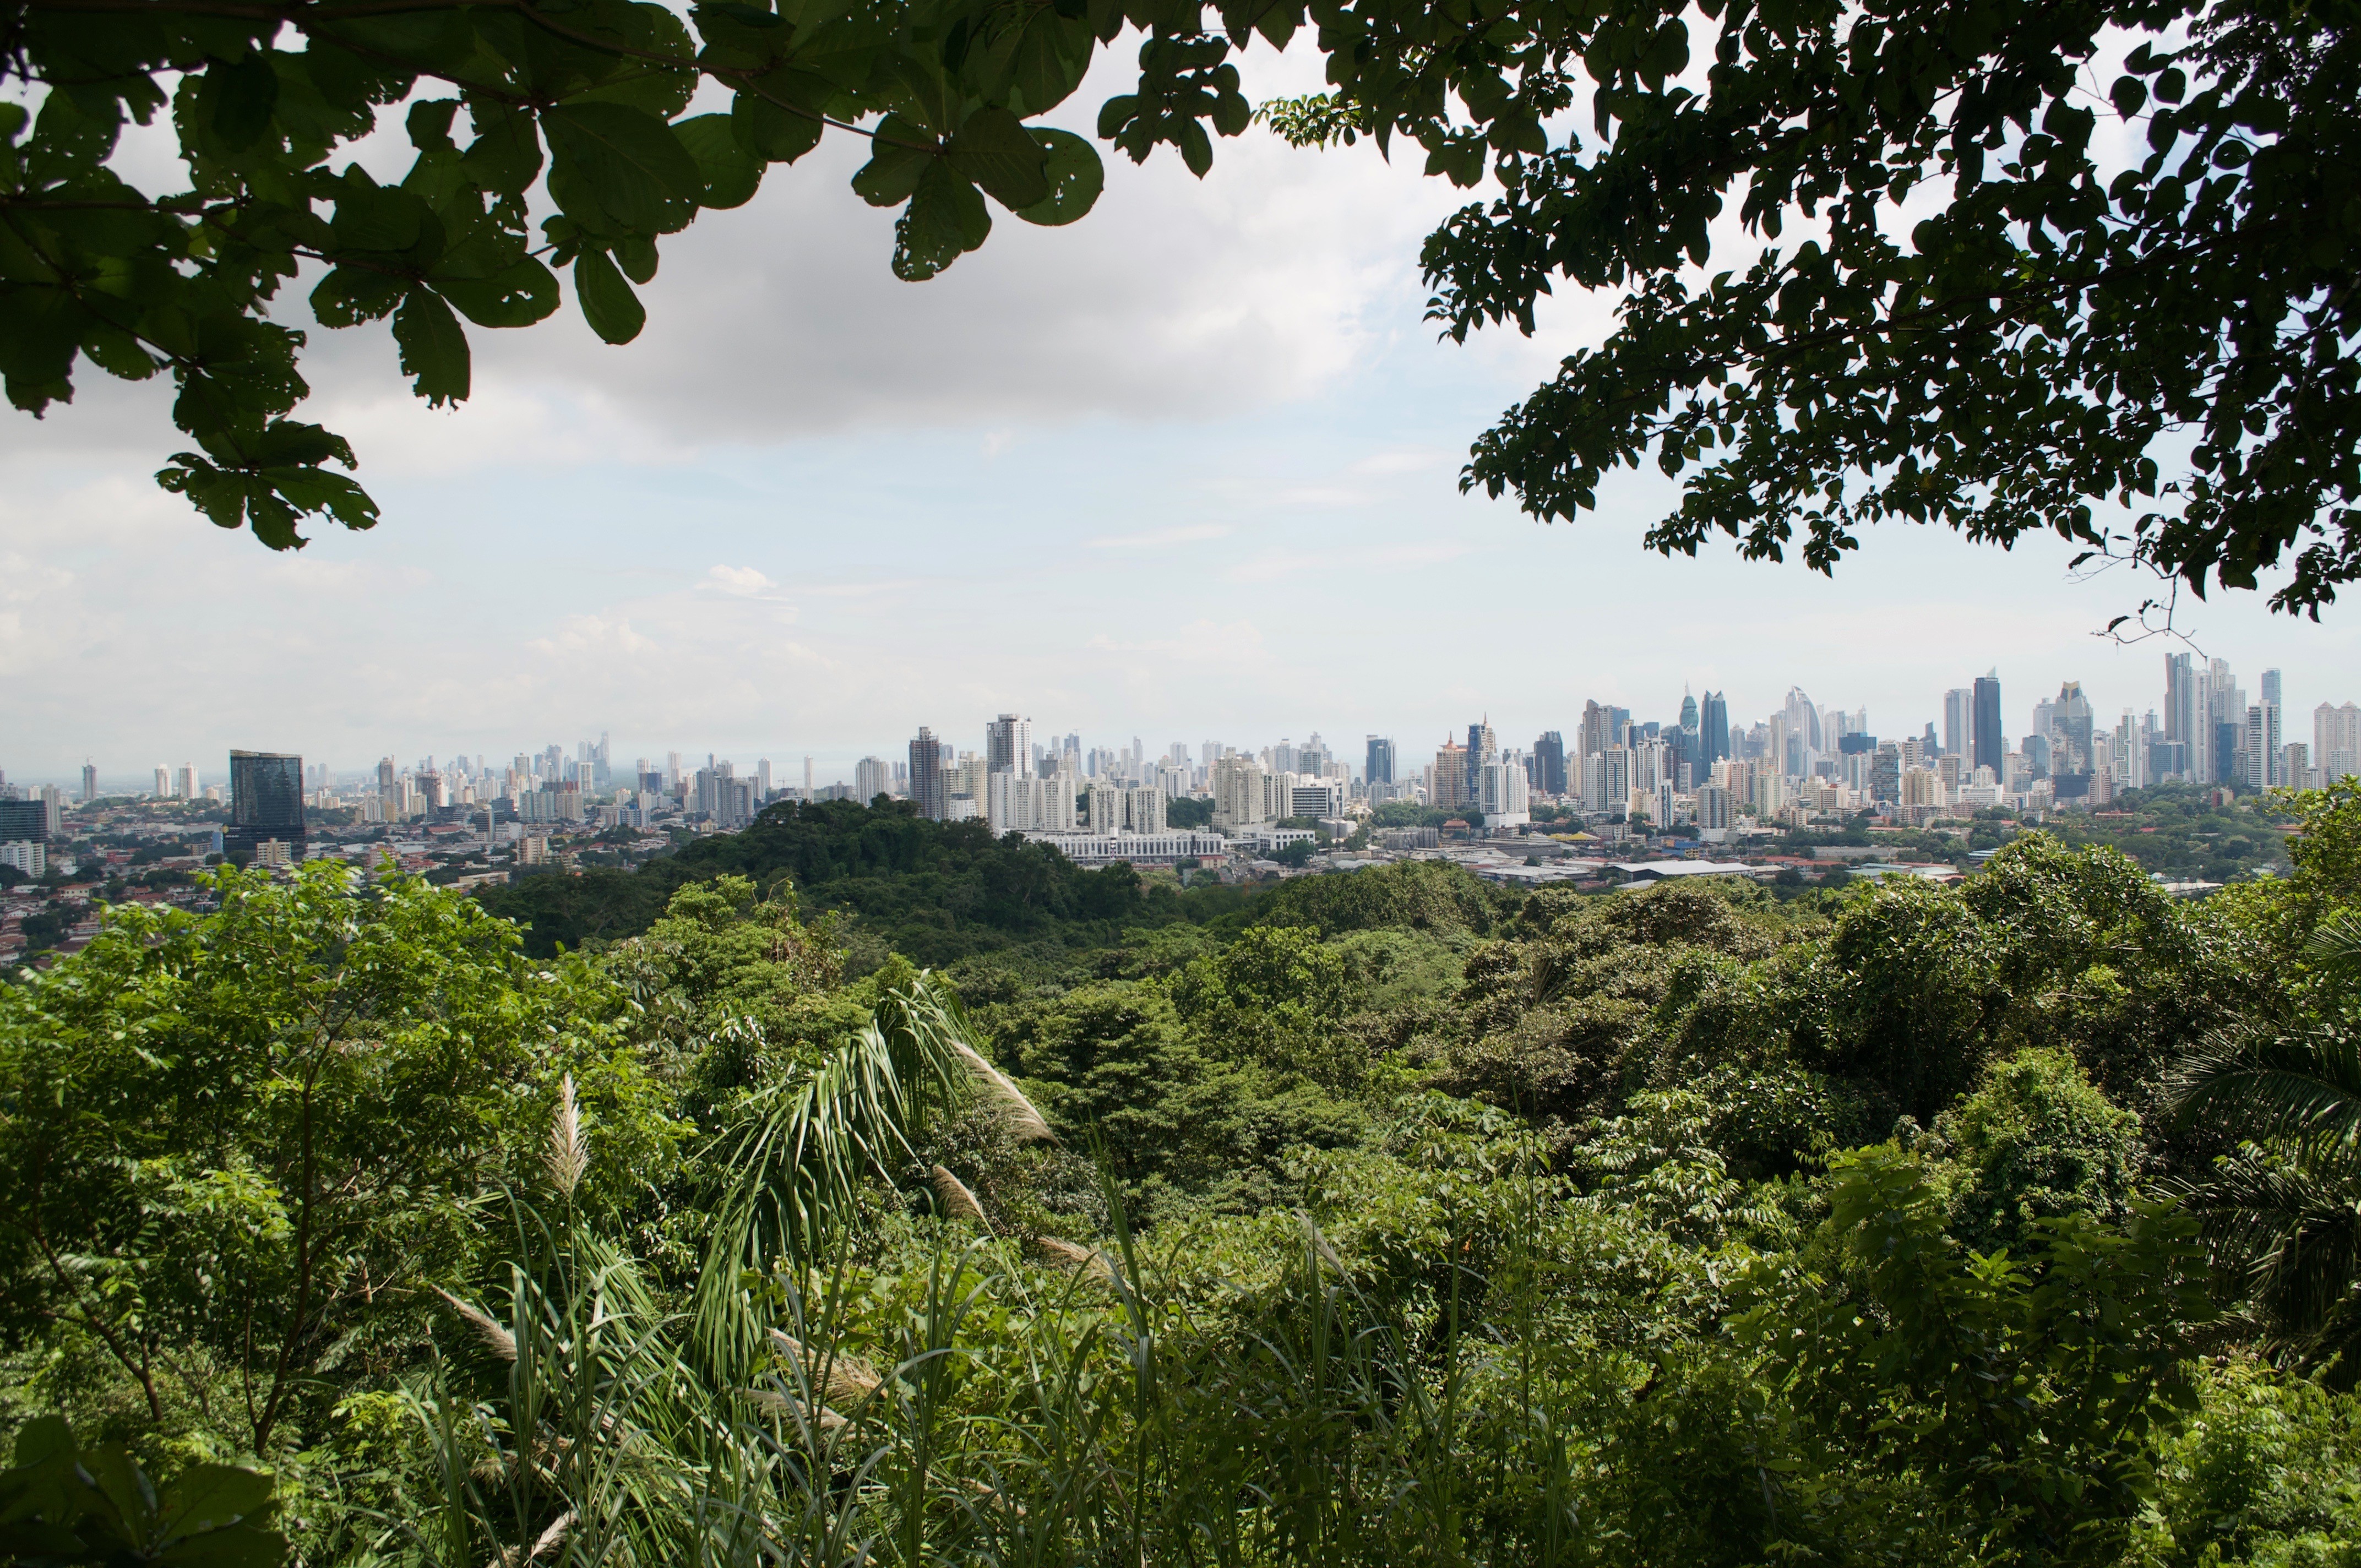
x,y
1027,1403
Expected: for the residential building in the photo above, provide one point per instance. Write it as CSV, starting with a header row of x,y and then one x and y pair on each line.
x,y
926,774
2261,749
1008,745
188,783
28,857
2336,741
871,778
1240,800
89,782
1447,787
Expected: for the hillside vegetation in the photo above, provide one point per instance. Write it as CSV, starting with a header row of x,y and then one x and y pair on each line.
x,y
1383,1219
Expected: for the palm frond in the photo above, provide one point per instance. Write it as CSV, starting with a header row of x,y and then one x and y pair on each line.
x,y
2336,944
804,1150
2264,1087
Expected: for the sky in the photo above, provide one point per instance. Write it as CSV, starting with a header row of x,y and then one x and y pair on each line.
x,y
1186,470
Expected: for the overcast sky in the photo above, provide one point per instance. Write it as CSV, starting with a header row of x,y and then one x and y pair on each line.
x,y
1186,470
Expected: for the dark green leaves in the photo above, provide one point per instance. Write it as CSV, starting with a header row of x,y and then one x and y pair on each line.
x,y
730,177
993,149
619,169
63,1503
434,349
1075,178
243,95
608,304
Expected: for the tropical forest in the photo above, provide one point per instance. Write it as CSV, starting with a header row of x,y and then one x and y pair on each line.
x,y
1388,1217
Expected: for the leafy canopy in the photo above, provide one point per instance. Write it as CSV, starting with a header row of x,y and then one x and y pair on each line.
x,y
1993,319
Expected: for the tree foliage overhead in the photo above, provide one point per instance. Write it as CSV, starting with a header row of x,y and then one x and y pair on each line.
x,y
2005,300
1986,297
571,111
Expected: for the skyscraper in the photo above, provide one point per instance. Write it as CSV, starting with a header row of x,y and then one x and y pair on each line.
x,y
1713,728
266,802
1549,760
1482,748
869,777
2271,688
188,787
1378,767
89,782
1986,733
1008,745
163,781
1959,722
926,774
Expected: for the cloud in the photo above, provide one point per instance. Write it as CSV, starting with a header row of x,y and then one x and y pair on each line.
x,y
1160,538
744,581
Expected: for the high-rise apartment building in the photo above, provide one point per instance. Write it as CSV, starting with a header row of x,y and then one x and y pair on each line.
x,y
870,779
188,783
1447,785
926,790
163,781
1378,767
89,782
1959,722
1008,745
266,802
2336,741
2261,747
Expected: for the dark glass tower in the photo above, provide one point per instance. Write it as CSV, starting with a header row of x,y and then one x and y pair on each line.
x,y
266,802
1713,728
1548,763
1378,767
1990,740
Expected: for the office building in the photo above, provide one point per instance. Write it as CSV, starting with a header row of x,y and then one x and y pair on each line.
x,y
1549,762
266,803
1378,765
23,821
1713,728
1987,737
1482,748
1960,723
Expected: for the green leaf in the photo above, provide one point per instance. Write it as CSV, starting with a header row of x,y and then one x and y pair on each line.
x,y
212,1496
947,217
240,1546
731,176
629,161
773,131
243,94
637,258
608,304
434,349
900,153
994,150
506,154
350,295
1075,175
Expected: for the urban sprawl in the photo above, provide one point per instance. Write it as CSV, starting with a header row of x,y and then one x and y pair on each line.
x,y
1615,798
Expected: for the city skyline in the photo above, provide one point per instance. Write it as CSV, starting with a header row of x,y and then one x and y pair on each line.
x,y
840,764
